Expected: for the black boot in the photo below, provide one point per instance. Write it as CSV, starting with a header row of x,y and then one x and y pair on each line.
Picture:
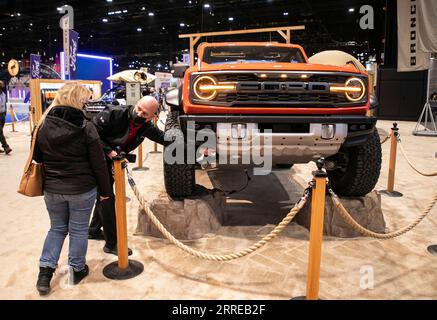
x,y
114,251
79,275
44,277
8,150
97,235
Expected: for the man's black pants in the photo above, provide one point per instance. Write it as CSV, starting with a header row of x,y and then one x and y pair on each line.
x,y
2,125
104,216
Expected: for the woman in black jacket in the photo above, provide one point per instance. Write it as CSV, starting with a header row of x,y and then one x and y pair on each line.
x,y
74,171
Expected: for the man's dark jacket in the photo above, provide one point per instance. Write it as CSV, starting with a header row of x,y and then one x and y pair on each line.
x,y
113,126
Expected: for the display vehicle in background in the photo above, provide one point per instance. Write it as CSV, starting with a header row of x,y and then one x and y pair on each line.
x,y
245,91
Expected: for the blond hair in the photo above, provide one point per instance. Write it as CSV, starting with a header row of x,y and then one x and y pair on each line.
x,y
72,94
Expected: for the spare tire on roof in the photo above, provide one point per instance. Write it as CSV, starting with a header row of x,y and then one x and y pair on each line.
x,y
335,58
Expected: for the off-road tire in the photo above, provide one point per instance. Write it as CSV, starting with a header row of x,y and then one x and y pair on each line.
x,y
362,171
179,179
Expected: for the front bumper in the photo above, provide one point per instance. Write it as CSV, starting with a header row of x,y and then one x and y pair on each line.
x,y
359,127
300,143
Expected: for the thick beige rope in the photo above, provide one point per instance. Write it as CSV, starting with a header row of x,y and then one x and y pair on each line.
x,y
385,139
227,257
357,227
411,164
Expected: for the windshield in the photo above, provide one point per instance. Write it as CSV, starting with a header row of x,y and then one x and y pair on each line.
x,y
241,54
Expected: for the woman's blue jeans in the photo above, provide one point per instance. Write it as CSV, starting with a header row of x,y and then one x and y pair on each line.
x,y
69,214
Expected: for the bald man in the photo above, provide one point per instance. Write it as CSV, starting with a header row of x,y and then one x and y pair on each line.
x,y
125,127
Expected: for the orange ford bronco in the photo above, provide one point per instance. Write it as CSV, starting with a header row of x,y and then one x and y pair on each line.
x,y
301,112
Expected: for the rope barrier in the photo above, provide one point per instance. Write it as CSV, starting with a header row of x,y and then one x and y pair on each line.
x,y
366,232
411,164
26,118
212,257
385,139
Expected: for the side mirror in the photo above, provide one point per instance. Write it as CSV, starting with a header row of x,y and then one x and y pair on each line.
x,y
179,70
373,101
173,99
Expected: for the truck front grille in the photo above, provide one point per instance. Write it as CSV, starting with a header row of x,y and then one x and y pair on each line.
x,y
282,90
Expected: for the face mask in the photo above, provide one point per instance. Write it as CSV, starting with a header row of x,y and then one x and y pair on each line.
x,y
137,119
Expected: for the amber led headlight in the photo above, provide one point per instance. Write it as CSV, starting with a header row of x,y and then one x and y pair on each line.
x,y
354,89
207,87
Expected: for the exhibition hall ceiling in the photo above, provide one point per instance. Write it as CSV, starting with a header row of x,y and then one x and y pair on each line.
x,y
131,31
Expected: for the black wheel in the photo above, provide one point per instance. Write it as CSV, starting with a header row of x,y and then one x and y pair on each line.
x,y
359,168
284,165
179,178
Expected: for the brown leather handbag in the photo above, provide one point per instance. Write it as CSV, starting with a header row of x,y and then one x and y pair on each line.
x,y
32,181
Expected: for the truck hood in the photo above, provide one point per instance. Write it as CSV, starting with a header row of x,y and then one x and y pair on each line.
x,y
304,67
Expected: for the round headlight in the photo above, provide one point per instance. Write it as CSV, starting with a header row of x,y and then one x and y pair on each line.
x,y
357,89
203,88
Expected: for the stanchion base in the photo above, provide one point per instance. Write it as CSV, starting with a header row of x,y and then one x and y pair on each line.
x,y
393,194
112,271
433,249
140,169
155,152
425,133
302,298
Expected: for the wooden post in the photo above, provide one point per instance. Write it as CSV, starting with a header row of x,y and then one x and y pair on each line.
x,y
191,52
123,268
393,154
120,209
30,123
283,34
12,116
140,156
392,164
155,147
193,41
316,233
195,37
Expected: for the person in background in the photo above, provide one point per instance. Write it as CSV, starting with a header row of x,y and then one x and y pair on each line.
x,y
74,172
3,141
124,127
